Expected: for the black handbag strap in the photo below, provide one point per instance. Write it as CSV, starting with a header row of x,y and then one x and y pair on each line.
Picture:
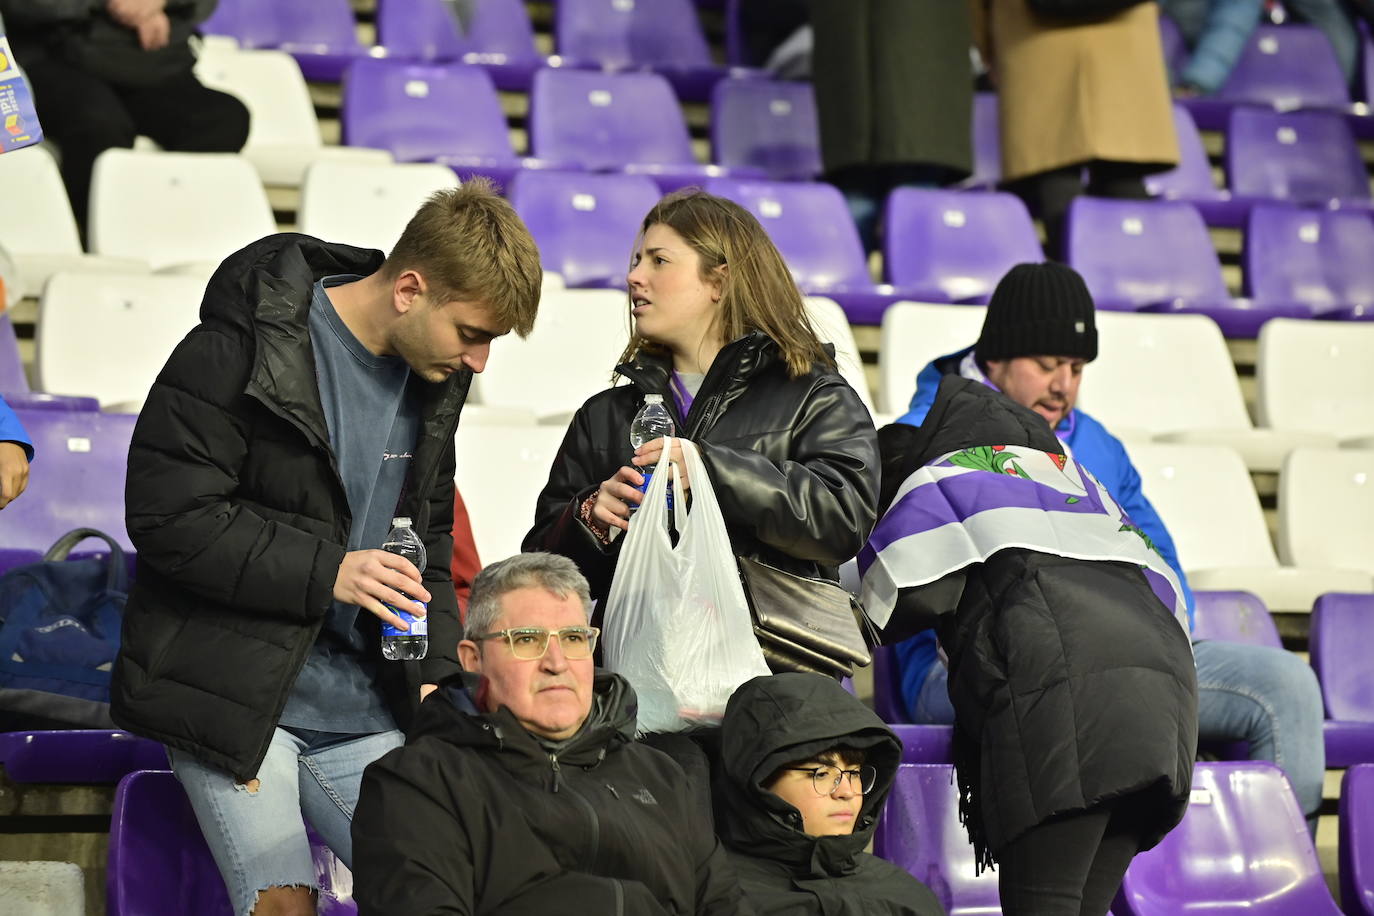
x,y
117,577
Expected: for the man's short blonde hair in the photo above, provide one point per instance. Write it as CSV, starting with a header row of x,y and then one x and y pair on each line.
x,y
469,245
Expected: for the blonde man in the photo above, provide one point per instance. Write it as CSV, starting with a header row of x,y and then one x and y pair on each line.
x,y
317,399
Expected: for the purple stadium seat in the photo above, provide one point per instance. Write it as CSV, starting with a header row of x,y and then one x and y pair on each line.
x,y
585,224
811,225
1317,258
1157,256
662,35
610,122
987,143
1191,181
12,379
767,125
1341,643
38,400
77,481
1242,848
953,246
447,113
1355,849
1283,68
320,34
77,755
159,864
1301,156
925,743
920,832
499,37
1234,617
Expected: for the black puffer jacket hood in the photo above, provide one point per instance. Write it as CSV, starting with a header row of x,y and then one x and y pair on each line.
x,y
774,720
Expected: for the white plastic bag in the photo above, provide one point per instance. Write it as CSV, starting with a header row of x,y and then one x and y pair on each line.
x,y
677,624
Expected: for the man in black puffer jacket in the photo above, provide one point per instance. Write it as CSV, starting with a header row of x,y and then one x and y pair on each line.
x,y
317,399
521,790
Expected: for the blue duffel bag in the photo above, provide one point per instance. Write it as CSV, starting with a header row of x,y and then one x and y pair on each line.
x,y
59,633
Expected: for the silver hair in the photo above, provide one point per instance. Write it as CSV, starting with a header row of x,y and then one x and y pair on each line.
x,y
550,571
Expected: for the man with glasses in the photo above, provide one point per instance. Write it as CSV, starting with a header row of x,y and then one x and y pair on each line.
x,y
521,788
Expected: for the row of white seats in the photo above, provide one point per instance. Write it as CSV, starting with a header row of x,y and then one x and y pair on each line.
x,y
1171,378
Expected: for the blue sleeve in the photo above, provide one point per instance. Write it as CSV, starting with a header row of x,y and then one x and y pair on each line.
x,y
1107,459
915,656
927,384
11,430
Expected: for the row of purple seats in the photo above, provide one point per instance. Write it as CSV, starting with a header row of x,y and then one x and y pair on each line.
x,y
1305,157
1355,846
97,756
321,34
159,864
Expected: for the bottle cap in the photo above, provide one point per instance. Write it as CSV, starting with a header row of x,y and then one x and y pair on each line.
x,y
653,399
401,522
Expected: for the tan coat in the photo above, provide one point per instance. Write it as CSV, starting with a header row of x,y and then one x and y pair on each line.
x,y
1072,92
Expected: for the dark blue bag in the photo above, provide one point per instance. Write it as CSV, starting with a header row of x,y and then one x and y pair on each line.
x,y
59,633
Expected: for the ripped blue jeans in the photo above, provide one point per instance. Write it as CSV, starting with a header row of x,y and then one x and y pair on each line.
x,y
257,835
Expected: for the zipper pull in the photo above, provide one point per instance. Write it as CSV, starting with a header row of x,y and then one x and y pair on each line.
x,y
557,771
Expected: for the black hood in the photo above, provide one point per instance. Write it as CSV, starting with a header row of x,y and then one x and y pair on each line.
x,y
777,719
452,715
965,414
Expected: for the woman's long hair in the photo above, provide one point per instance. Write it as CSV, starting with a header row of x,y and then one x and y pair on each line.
x,y
757,290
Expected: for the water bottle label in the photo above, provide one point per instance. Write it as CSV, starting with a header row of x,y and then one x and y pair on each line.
x,y
644,488
419,626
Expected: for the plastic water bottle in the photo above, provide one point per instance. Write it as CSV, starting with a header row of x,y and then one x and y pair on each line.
x,y
652,422
405,645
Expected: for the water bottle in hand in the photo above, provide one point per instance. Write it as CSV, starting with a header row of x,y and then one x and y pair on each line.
x,y
412,644
652,422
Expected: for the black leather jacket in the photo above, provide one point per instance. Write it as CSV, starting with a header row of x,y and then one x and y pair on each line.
x,y
793,461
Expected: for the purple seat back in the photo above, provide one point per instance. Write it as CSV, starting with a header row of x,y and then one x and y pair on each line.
x,y
585,224
1355,850
160,865
501,30
1137,252
959,242
76,481
1316,257
766,124
320,25
920,832
887,686
77,755
419,30
630,33
1234,617
38,400
424,111
606,120
1303,156
1341,643
926,743
1192,177
987,142
1243,847
809,223
1288,66
12,377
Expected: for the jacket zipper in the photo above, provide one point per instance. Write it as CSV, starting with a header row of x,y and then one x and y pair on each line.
x,y
586,807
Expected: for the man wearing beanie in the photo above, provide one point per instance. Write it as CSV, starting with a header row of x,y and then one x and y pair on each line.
x,y
1038,334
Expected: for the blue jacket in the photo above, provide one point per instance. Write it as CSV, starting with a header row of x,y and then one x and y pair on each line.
x,y
1096,449
11,430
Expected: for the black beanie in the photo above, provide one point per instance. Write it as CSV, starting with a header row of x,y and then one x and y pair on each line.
x,y
1039,310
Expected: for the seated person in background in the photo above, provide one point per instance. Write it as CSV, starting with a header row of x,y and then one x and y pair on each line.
x,y
1038,334
105,71
16,451
521,789
806,770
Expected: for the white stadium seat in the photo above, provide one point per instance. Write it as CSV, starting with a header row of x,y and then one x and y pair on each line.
x,y
912,335
367,204
41,237
284,134
176,209
108,335
1205,497
500,471
1317,375
1326,509
833,327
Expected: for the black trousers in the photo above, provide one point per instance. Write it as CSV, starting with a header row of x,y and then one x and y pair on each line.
x,y
1049,194
1071,865
85,115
